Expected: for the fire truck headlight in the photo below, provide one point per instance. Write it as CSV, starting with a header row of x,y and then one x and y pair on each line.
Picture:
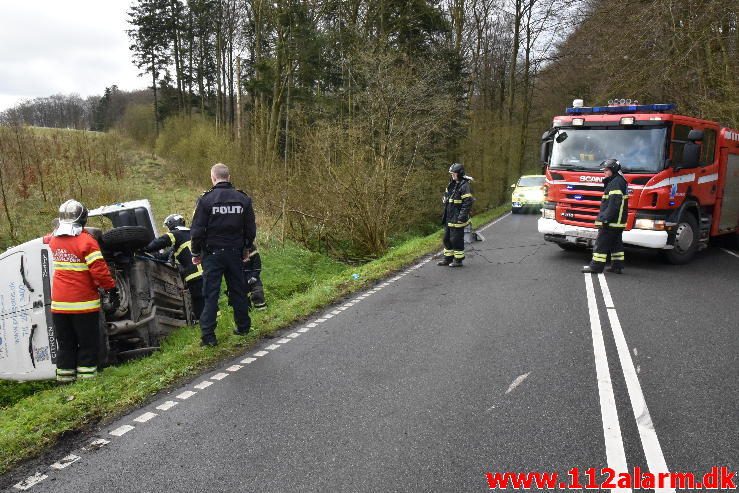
x,y
655,224
547,213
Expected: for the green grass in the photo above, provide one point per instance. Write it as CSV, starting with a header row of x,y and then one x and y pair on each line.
x,y
298,282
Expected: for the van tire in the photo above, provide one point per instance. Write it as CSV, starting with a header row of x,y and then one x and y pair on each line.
x,y
127,238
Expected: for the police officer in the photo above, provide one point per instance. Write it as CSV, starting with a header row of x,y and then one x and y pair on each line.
x,y
79,270
178,241
611,221
223,230
457,204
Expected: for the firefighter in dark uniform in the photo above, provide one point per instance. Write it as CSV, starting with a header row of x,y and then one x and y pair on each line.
x,y
223,231
611,221
253,276
457,205
177,241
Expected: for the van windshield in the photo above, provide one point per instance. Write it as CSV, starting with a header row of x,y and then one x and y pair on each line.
x,y
638,149
531,181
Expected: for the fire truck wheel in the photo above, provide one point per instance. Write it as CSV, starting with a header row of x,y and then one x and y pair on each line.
x,y
686,241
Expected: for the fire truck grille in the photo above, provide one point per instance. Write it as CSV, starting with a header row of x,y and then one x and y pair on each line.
x,y
580,208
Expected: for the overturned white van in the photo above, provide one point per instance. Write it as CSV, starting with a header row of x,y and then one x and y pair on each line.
x,y
154,299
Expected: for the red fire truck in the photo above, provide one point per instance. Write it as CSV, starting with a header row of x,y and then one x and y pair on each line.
x,y
683,176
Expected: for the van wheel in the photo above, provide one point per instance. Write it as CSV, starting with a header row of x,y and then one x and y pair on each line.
x,y
127,238
686,241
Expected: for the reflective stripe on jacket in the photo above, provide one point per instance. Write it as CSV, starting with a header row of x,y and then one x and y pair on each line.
x,y
79,270
457,204
614,206
179,241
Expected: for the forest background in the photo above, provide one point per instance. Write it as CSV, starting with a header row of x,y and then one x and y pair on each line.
x,y
341,117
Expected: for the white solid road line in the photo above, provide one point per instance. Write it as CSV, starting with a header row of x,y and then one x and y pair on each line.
x,y
615,455
647,433
730,252
496,221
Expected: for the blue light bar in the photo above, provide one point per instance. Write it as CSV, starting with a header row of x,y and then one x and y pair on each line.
x,y
631,108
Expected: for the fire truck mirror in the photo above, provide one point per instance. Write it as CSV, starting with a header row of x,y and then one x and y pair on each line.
x,y
544,152
691,155
561,137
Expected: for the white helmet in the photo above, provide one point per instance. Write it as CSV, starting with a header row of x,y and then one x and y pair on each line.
x,y
72,218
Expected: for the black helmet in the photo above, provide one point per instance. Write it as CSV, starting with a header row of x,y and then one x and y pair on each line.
x,y
611,164
457,168
173,221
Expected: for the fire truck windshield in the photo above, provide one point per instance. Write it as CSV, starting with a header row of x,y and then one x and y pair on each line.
x,y
640,150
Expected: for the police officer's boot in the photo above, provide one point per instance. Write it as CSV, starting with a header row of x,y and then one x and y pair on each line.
x,y
590,270
445,260
456,263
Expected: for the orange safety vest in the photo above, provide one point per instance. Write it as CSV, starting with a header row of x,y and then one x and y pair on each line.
x,y
79,269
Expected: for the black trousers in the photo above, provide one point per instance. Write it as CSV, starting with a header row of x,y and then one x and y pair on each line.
x,y
196,295
217,265
454,242
78,338
608,243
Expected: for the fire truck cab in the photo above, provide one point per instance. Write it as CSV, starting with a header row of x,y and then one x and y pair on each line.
x,y
682,172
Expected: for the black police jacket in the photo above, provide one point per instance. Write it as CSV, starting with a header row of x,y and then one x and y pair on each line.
x,y
457,204
179,241
223,218
614,207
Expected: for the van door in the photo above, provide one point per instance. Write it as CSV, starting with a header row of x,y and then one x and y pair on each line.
x,y
28,347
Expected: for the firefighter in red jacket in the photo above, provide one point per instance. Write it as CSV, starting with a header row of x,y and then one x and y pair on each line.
x,y
79,270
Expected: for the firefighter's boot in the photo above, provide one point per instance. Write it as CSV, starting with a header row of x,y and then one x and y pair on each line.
x,y
446,260
589,269
456,263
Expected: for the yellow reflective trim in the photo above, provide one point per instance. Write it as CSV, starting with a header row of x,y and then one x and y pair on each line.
x,y
182,247
616,192
196,274
466,195
455,201
458,225
171,238
96,255
69,306
70,266
63,372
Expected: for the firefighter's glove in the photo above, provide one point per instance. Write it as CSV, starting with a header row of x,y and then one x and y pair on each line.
x,y
463,218
114,299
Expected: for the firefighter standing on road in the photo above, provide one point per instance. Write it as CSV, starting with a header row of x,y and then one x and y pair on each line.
x,y
178,240
611,221
223,231
79,270
457,205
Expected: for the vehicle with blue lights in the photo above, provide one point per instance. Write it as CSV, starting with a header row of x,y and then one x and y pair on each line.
x,y
528,193
683,176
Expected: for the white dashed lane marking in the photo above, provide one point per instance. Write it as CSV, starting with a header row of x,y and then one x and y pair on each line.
x,y
203,385
294,335
248,361
219,376
145,417
234,368
121,430
272,347
96,444
283,340
65,462
259,354
167,405
186,395
30,481
304,330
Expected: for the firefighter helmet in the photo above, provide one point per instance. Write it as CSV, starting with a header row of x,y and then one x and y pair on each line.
x,y
173,221
72,218
611,164
457,168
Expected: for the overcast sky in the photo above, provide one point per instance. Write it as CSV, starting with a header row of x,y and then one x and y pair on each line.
x,y
53,46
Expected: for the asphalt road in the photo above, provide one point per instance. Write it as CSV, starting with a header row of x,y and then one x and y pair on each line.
x,y
513,363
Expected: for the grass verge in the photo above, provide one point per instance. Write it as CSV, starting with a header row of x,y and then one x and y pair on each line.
x,y
297,283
